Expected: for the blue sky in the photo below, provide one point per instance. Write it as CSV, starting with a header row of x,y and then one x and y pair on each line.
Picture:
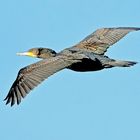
x,y
102,105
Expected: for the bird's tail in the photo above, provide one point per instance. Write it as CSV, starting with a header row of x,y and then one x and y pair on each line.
x,y
119,63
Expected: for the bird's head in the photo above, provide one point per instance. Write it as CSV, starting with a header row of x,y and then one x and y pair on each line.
x,y
39,53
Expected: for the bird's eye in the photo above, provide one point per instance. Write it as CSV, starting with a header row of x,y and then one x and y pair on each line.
x,y
39,51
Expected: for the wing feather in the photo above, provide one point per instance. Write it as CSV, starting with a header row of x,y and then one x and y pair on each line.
x,y
100,40
32,75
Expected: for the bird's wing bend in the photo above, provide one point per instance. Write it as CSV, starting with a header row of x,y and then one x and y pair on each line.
x,y
101,39
32,75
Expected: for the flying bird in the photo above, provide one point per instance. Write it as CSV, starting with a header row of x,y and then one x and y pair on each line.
x,y
87,55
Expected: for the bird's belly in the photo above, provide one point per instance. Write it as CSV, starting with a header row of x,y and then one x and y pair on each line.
x,y
86,65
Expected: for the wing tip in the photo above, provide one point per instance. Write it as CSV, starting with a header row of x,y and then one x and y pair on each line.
x,y
129,28
12,103
9,99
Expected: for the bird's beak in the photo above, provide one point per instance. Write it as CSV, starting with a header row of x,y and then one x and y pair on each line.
x,y
26,54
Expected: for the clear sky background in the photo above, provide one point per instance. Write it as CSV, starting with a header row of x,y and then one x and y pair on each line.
x,y
102,105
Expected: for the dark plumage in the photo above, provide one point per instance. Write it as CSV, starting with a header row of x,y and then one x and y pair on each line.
x,y
88,55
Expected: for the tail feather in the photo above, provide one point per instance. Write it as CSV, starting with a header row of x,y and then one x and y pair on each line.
x,y
118,63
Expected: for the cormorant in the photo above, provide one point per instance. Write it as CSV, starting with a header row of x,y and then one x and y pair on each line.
x,y
87,55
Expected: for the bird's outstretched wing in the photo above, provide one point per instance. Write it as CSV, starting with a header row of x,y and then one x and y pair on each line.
x,y
32,75
101,39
